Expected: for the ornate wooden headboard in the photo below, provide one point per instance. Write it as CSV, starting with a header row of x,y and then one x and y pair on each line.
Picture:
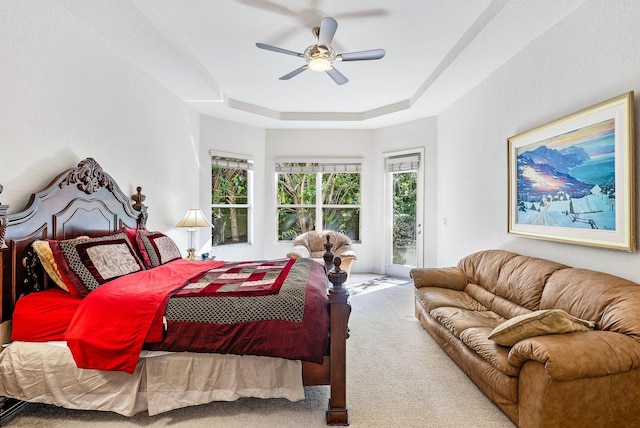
x,y
80,201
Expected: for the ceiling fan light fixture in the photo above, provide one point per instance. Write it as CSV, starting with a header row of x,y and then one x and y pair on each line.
x,y
319,64
319,58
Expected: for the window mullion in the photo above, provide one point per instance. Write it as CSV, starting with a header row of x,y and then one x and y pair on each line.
x,y
319,219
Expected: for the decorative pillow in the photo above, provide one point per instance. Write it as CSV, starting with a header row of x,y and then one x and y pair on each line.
x,y
157,248
43,250
87,264
538,323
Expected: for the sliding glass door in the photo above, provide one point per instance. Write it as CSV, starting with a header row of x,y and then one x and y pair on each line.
x,y
404,213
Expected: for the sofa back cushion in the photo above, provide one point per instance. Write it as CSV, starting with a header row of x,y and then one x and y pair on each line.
x,y
482,268
612,302
497,304
522,280
509,276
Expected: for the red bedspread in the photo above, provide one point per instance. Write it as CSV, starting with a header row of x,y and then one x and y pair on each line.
x,y
281,316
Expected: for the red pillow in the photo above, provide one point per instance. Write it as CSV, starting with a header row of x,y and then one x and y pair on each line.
x,y
132,234
43,315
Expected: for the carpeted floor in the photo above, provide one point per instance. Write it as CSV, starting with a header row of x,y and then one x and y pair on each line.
x,y
396,377
367,283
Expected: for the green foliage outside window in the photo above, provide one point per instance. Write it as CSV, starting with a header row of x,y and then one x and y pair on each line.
x,y
404,207
230,210
298,207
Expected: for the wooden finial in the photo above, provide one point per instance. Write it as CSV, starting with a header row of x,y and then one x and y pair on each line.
x,y
139,206
328,255
139,199
337,276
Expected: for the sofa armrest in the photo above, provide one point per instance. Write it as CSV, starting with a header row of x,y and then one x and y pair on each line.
x,y
579,355
449,277
299,252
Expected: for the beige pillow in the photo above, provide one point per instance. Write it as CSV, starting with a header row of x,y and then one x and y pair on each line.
x,y
538,323
43,250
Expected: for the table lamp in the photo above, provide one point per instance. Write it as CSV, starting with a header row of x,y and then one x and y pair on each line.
x,y
192,219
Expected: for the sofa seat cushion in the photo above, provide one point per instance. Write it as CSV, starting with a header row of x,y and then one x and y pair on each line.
x,y
457,320
477,339
436,297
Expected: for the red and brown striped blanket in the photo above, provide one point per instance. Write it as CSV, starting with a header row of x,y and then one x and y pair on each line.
x,y
275,308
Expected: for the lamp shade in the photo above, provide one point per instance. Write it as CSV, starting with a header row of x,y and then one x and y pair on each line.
x,y
194,218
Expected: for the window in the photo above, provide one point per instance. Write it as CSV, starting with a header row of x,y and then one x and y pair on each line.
x,y
404,175
231,187
318,196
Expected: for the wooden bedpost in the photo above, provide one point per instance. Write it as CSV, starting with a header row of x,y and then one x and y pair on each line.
x,y
5,289
337,413
3,222
139,198
328,256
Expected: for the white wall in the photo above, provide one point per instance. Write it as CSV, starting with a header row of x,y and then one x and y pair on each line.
x,y
67,95
590,56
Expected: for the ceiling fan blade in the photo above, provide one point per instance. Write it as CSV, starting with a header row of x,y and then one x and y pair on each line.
x,y
279,50
362,55
337,77
328,27
294,73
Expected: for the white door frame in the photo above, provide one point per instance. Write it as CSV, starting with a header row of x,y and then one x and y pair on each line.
x,y
389,267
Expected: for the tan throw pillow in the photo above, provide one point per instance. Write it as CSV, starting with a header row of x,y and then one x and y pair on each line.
x,y
538,323
43,250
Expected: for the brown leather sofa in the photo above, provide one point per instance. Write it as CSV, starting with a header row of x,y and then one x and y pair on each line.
x,y
311,245
580,379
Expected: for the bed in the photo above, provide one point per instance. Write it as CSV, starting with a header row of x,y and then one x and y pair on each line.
x,y
151,353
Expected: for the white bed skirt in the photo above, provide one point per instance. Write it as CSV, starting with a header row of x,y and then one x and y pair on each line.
x,y
162,381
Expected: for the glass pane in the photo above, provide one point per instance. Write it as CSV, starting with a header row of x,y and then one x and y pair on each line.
x,y
229,186
230,226
404,218
341,188
294,221
296,188
343,220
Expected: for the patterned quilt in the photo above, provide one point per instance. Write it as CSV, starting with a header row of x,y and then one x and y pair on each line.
x,y
274,308
255,278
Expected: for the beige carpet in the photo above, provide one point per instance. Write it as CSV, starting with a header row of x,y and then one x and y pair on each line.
x,y
396,375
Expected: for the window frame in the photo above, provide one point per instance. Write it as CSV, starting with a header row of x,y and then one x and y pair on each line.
x,y
240,158
320,167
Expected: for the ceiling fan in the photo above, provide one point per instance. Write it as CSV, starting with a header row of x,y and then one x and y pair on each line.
x,y
321,56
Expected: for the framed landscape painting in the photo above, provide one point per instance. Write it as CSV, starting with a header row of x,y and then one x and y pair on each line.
x,y
572,180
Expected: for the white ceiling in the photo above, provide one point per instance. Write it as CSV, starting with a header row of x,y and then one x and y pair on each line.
x,y
204,51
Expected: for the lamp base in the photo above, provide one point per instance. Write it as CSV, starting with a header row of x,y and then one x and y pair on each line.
x,y
191,254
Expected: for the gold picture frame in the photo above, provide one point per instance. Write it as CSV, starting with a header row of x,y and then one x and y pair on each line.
x,y
573,180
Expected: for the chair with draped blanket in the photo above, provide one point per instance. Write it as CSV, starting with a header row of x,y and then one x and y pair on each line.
x,y
311,245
